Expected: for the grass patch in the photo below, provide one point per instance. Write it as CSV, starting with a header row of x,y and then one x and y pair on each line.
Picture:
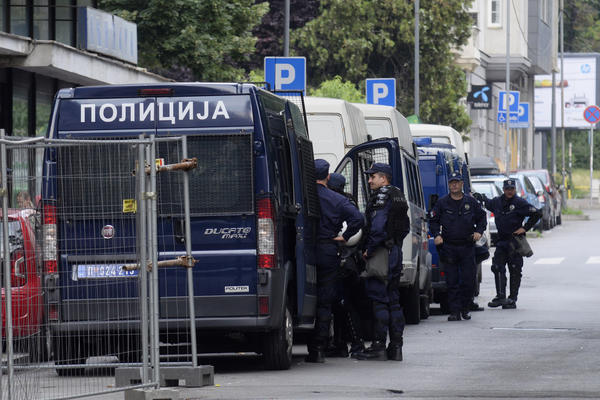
x,y
571,211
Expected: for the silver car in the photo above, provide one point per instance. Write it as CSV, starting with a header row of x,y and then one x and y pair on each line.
x,y
490,190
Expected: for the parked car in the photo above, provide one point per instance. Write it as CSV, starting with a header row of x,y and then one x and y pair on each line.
x,y
483,166
551,188
548,218
26,287
490,190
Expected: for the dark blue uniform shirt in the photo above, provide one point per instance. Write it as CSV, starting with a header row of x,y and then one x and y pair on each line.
x,y
336,209
510,213
457,220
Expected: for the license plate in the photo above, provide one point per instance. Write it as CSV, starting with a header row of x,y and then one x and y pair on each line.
x,y
104,271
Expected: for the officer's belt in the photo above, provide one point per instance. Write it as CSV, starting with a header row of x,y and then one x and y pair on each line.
x,y
455,242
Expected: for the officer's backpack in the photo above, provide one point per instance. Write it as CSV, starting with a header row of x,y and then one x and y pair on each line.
x,y
398,223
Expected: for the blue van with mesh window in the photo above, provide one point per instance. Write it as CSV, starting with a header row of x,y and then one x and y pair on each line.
x,y
254,211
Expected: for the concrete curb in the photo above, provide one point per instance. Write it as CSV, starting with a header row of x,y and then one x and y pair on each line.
x,y
570,217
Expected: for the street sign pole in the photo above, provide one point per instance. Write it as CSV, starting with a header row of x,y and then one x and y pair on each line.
x,y
592,115
591,161
507,156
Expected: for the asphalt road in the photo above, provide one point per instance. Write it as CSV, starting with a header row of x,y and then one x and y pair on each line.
x,y
548,347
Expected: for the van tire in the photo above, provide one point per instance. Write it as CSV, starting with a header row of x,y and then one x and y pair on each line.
x,y
66,351
412,302
277,345
425,299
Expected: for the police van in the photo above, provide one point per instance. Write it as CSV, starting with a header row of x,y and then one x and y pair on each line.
x,y
335,127
254,212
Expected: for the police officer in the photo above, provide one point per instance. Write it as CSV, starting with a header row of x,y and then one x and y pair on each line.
x,y
387,226
335,209
509,211
457,221
346,319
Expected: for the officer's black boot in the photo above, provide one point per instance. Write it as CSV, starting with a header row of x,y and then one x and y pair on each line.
x,y
356,348
376,352
515,283
454,316
500,299
394,349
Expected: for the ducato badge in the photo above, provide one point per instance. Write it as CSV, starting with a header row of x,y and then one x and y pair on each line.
x,y
467,207
511,207
108,232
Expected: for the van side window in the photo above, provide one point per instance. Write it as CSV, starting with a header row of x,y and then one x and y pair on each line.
x,y
280,150
347,173
298,121
365,160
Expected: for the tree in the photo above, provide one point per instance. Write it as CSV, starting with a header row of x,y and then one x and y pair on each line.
x,y
207,40
338,89
270,31
582,25
361,39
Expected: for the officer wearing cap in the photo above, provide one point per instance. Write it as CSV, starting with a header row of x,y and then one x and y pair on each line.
x,y
510,211
456,222
387,226
335,209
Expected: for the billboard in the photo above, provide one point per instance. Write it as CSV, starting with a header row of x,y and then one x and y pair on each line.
x,y
579,82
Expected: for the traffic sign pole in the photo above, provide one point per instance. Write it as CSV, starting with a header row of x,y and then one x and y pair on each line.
x,y
592,115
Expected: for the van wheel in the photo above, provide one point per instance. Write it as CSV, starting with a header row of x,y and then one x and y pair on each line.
x,y
66,351
425,299
277,345
412,303
559,219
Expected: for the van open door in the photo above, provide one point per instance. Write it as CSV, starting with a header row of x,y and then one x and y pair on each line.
x,y
306,203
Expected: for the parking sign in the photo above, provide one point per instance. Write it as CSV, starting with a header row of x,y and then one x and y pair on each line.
x,y
381,91
508,103
286,73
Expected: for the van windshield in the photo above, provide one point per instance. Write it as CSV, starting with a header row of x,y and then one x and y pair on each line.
x,y
95,180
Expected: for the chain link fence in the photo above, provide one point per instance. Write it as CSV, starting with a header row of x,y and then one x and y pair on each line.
x,y
85,291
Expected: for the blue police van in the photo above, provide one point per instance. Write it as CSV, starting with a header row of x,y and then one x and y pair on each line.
x,y
254,211
436,162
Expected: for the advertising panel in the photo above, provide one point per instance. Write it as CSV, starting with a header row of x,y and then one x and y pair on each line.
x,y
579,92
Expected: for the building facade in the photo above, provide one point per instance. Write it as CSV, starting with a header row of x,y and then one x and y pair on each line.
x,y
533,38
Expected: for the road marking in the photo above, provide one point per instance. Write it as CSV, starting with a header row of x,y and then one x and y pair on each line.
x,y
550,260
593,260
537,329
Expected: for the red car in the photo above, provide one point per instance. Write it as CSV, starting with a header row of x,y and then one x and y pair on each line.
x,y
26,281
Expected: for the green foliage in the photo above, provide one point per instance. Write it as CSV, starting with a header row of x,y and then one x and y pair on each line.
x,y
375,38
211,38
338,89
582,25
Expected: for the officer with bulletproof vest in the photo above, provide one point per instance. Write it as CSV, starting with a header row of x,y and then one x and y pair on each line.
x,y
335,209
456,222
387,226
346,318
510,211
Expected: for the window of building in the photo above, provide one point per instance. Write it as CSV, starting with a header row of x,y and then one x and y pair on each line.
x,y
475,17
19,23
65,20
545,10
41,27
495,16
3,14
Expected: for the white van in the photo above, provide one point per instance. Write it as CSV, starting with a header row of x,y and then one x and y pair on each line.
x,y
334,127
386,121
440,134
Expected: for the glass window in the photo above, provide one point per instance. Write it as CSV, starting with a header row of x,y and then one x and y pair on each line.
x,y
3,15
19,158
40,20
495,13
43,104
64,22
19,25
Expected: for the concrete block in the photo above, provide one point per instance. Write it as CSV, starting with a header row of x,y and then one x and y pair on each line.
x,y
151,394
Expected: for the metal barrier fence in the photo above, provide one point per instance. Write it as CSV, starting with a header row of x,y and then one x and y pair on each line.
x,y
83,223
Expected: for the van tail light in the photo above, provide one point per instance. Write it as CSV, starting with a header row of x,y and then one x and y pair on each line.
x,y
491,215
541,199
49,238
18,274
266,234
522,193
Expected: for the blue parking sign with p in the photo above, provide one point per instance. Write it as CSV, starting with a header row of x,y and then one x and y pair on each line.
x,y
381,91
286,73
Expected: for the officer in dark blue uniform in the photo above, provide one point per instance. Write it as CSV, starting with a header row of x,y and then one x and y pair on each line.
x,y
387,226
509,211
456,222
335,209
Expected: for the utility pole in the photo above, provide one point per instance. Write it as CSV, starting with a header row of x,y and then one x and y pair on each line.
x,y
507,155
286,29
562,88
417,55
